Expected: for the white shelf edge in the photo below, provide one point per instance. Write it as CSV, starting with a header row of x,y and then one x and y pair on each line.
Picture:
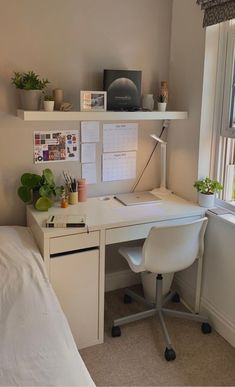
x,y
100,116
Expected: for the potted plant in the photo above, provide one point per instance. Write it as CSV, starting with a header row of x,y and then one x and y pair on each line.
x,y
30,89
48,103
206,191
39,190
161,103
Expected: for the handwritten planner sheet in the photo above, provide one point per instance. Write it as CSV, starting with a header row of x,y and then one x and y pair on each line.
x,y
89,173
119,166
90,131
120,137
88,153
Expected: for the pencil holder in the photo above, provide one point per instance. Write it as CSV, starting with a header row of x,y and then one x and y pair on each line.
x,y
73,197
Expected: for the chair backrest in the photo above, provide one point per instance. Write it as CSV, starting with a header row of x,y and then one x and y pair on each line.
x,y
173,248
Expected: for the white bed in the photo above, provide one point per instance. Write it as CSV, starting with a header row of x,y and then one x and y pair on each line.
x,y
36,344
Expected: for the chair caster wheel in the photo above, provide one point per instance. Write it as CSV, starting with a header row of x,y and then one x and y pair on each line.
x,y
206,328
116,331
127,299
170,354
176,298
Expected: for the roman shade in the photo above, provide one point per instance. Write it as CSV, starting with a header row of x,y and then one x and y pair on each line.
x,y
217,11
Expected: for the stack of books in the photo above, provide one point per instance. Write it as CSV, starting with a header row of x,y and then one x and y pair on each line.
x,y
63,221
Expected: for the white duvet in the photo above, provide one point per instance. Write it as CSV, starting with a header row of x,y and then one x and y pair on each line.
x,y
36,345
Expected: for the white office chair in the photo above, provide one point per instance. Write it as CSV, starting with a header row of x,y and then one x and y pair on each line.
x,y
167,249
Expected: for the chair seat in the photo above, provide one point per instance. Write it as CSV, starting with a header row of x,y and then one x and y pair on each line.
x,y
133,255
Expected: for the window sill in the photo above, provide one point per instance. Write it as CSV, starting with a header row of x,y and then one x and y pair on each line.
x,y
228,217
227,205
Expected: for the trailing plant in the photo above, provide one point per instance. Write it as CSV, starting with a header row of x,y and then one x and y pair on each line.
x,y
161,98
28,81
208,186
40,190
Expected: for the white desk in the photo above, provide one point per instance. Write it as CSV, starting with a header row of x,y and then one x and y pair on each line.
x,y
75,259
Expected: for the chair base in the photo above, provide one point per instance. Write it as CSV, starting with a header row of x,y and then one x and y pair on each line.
x,y
159,311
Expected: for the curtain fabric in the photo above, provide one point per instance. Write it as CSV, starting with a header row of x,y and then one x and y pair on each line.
x,y
217,11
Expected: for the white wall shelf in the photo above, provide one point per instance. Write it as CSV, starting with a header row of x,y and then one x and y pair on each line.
x,y
100,116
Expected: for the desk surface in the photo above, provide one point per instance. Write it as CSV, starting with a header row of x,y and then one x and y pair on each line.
x,y
107,212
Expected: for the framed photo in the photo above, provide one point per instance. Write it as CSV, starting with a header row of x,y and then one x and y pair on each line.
x,y
93,101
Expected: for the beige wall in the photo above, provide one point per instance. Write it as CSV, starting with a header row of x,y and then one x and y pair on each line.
x,y
70,42
186,83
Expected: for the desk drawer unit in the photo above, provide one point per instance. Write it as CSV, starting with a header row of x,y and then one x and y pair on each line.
x,y
75,279
74,275
74,242
139,231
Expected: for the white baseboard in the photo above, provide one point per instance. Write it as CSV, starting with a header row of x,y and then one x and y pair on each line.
x,y
221,323
121,279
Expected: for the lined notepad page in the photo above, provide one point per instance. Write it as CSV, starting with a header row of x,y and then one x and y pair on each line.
x,y
119,166
120,137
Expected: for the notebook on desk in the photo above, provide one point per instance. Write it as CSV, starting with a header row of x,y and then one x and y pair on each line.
x,y
134,198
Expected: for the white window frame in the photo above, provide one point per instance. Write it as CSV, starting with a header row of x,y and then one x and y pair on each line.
x,y
226,130
223,133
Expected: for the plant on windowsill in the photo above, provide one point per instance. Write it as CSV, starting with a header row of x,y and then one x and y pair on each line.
x,y
206,191
30,89
39,190
161,103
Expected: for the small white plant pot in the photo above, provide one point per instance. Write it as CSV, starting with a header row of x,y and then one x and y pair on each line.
x,y
161,106
48,106
207,201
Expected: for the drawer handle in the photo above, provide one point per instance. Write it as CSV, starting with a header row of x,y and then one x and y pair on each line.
x,y
73,252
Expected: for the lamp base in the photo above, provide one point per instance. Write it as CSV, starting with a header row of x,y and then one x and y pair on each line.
x,y
161,191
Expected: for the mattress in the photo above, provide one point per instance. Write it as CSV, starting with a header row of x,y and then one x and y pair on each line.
x,y
36,344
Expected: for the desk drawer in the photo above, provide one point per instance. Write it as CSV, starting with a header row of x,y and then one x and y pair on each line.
x,y
139,231
74,242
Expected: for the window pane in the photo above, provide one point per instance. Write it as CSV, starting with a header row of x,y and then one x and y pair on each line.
x,y
232,110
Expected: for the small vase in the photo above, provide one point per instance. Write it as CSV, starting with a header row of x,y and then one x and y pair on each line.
x,y
58,95
161,106
148,102
48,106
207,201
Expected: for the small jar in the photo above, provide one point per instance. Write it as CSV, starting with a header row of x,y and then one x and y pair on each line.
x,y
73,197
64,203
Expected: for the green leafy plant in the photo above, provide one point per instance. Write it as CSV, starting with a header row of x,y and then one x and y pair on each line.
x,y
161,98
39,190
28,81
48,98
208,186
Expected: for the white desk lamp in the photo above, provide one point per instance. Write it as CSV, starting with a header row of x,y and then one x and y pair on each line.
x,y
162,188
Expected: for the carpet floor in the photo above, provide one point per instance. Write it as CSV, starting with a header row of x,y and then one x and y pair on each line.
x,y
137,357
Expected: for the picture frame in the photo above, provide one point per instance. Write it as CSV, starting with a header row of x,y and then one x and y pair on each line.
x,y
93,101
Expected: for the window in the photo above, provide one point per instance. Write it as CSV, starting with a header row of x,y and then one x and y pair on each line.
x,y
226,142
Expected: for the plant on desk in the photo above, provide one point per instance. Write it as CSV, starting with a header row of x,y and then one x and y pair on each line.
x,y
39,190
206,191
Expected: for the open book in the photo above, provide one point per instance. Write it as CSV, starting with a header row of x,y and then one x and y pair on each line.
x,y
66,221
